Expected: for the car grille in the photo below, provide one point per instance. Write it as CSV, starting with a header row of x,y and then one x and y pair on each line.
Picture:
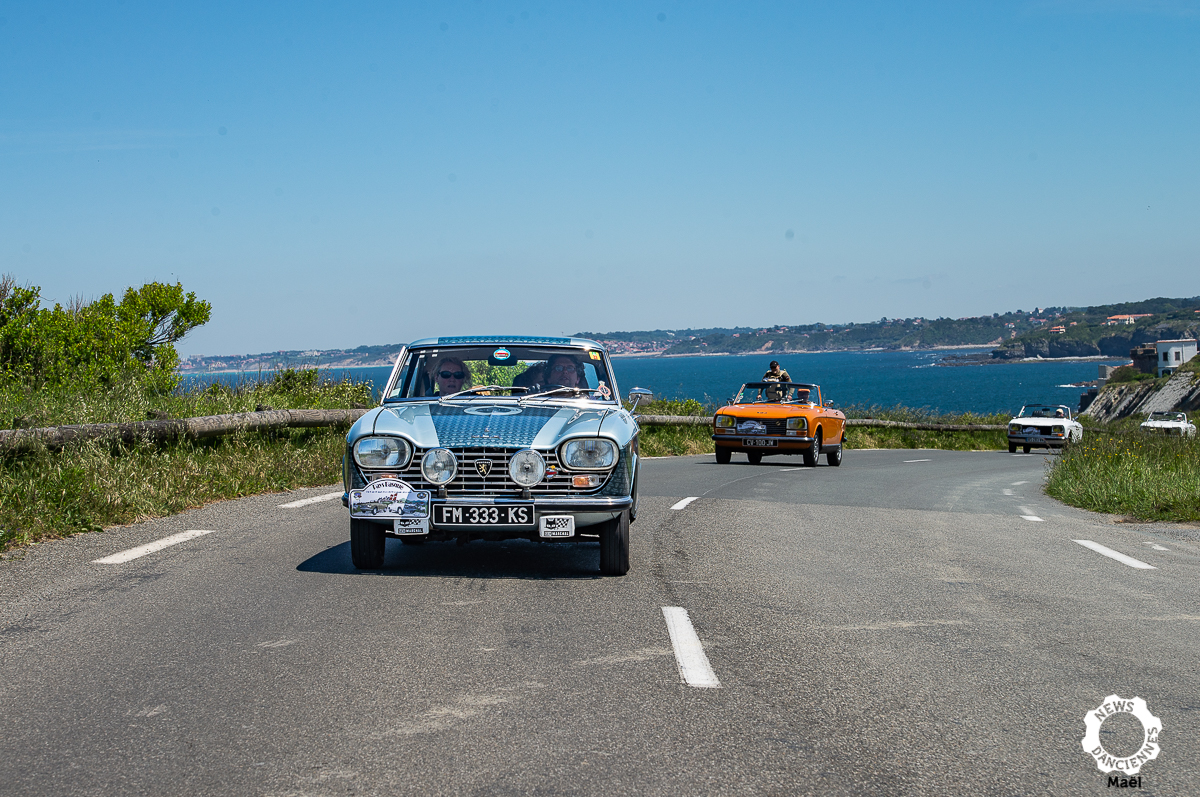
x,y
774,425
496,483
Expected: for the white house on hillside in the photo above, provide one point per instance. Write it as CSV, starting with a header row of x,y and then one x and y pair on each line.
x,y
1174,353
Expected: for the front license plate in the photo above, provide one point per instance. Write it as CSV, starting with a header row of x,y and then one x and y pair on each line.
x,y
487,515
758,442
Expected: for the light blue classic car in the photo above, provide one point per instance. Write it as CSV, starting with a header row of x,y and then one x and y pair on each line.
x,y
495,438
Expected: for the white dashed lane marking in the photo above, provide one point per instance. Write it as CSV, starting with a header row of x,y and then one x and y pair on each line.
x,y
1018,484
918,460
1155,545
1111,554
685,502
307,501
142,550
1008,492
694,668
1027,513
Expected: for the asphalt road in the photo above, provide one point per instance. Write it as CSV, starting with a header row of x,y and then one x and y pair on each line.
x,y
914,622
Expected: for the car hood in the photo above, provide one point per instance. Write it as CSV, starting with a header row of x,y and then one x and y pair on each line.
x,y
1166,424
499,425
768,410
1039,422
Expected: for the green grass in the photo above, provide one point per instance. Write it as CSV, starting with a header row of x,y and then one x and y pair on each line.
x,y
47,494
1141,476
21,406
87,486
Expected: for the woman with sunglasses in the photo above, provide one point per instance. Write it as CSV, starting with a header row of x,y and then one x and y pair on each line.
x,y
451,376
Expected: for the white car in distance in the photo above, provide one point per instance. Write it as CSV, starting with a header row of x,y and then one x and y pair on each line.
x,y
1043,426
1169,423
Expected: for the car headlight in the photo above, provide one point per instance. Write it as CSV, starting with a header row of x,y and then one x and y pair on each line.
x,y
438,466
798,423
382,452
527,467
1014,428
725,421
1056,430
589,454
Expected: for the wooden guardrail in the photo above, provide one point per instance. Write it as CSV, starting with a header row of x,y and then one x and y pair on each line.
x,y
217,425
703,420
195,428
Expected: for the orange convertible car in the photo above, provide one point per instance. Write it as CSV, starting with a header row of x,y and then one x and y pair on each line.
x,y
779,418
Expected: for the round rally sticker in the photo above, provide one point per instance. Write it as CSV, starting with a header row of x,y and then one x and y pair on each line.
x,y
501,354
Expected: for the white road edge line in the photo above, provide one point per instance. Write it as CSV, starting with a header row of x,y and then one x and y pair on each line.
x,y
151,547
307,501
918,460
694,668
1032,518
1111,554
685,502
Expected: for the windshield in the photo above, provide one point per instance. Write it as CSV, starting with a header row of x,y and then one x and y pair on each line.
x,y
778,393
1039,411
1167,416
521,370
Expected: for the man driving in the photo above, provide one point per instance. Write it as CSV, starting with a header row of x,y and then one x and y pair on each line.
x,y
562,370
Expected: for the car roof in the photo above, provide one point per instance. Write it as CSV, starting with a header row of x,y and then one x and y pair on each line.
x,y
512,340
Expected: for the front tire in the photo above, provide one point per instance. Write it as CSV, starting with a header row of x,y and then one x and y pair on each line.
x,y
755,457
723,456
1026,449
1012,448
814,452
834,457
366,544
614,546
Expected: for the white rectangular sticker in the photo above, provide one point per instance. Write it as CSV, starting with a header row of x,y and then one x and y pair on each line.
x,y
556,526
389,498
410,525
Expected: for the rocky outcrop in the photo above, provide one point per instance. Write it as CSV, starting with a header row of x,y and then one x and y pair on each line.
x,y
1181,392
1066,347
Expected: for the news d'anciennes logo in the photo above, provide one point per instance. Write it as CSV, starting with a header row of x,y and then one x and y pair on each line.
x,y
1151,728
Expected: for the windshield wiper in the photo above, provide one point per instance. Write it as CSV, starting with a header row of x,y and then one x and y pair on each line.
x,y
547,393
468,393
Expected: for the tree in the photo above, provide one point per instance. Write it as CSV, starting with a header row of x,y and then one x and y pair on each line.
x,y
99,342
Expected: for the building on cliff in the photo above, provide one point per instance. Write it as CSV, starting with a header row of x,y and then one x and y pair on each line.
x,y
1170,354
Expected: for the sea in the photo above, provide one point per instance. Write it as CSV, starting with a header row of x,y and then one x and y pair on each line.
x,y
850,379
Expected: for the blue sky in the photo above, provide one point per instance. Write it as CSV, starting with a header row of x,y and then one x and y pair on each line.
x,y
332,175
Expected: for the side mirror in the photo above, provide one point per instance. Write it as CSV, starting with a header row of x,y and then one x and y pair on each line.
x,y
637,394
828,403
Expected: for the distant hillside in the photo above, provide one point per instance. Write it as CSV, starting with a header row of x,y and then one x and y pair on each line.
x,y
1085,332
1093,330
363,356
